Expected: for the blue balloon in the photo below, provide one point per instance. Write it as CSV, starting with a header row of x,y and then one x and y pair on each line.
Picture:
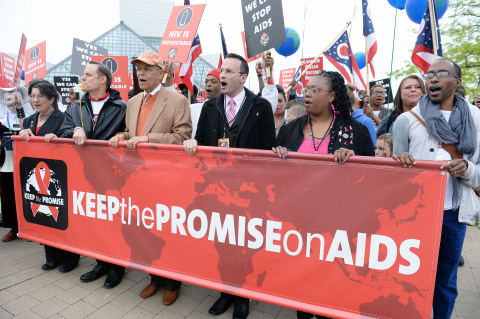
x,y
360,58
23,75
416,9
399,4
291,46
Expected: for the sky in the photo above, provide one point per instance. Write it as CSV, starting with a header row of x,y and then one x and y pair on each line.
x,y
317,22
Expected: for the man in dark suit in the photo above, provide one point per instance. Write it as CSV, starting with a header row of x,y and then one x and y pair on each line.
x,y
236,118
99,116
155,115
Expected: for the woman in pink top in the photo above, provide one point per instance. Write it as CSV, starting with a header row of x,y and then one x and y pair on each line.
x,y
328,127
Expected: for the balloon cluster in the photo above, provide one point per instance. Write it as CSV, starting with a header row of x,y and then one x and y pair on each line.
x,y
416,8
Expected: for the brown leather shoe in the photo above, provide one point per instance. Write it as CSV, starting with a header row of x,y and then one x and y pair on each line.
x,y
11,235
148,291
169,297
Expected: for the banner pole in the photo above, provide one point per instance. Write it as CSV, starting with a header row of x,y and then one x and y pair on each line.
x,y
434,28
326,48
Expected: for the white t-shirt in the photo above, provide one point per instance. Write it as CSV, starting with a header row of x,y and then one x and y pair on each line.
x,y
443,155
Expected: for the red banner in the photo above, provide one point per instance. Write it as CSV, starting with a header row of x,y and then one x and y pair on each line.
x,y
8,71
253,58
20,60
35,62
344,241
316,67
179,33
118,65
286,76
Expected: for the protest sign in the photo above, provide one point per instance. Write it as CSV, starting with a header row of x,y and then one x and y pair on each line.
x,y
179,33
8,71
303,233
386,85
118,65
63,85
253,58
264,26
201,96
314,68
82,52
20,61
36,62
286,76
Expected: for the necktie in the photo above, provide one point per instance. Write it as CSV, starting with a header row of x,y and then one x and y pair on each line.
x,y
147,97
231,112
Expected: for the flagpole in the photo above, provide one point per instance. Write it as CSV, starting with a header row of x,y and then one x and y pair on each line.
x,y
326,48
366,64
434,28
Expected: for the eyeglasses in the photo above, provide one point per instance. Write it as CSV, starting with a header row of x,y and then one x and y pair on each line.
x,y
230,71
313,90
378,93
440,75
33,97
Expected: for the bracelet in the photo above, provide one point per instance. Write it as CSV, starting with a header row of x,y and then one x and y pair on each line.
x,y
20,113
466,162
270,81
259,74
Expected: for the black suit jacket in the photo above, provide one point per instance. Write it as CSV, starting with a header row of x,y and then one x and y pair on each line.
x,y
52,125
253,126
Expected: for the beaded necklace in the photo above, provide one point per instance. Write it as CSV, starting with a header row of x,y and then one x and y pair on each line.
x,y
318,138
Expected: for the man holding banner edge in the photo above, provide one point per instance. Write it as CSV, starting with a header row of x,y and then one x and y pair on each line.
x,y
444,127
222,123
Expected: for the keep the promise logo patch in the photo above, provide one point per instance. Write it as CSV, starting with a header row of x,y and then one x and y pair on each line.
x,y
44,192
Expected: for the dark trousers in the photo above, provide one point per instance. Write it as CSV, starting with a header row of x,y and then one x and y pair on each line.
x,y
237,298
451,243
61,257
170,284
111,267
306,315
7,194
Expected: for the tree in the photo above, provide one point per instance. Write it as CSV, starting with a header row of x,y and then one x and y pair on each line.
x,y
461,45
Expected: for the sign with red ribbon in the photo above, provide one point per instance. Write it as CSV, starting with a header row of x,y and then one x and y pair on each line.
x,y
118,65
36,62
305,232
180,32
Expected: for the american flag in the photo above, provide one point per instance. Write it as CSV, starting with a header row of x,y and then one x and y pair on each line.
x,y
224,48
423,54
369,32
186,69
341,56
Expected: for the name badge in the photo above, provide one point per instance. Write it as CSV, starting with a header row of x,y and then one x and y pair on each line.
x,y
224,142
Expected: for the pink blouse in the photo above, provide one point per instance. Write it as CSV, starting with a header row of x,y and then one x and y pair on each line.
x,y
307,146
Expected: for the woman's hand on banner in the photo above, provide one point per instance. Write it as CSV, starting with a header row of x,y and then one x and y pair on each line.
x,y
342,155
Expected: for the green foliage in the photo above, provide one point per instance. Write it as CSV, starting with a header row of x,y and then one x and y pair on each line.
x,y
461,45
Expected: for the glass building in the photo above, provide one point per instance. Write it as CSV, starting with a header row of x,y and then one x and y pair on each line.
x,y
141,23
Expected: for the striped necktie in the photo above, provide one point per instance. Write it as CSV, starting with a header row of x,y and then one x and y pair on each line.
x,y
231,112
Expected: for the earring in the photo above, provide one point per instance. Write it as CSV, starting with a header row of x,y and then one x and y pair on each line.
x,y
333,109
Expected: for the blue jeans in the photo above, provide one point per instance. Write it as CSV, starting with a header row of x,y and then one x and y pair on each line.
x,y
451,243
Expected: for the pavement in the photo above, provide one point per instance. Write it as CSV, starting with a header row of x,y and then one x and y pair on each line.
x,y
27,291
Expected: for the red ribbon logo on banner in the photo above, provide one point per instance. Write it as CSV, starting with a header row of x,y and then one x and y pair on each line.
x,y
43,188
